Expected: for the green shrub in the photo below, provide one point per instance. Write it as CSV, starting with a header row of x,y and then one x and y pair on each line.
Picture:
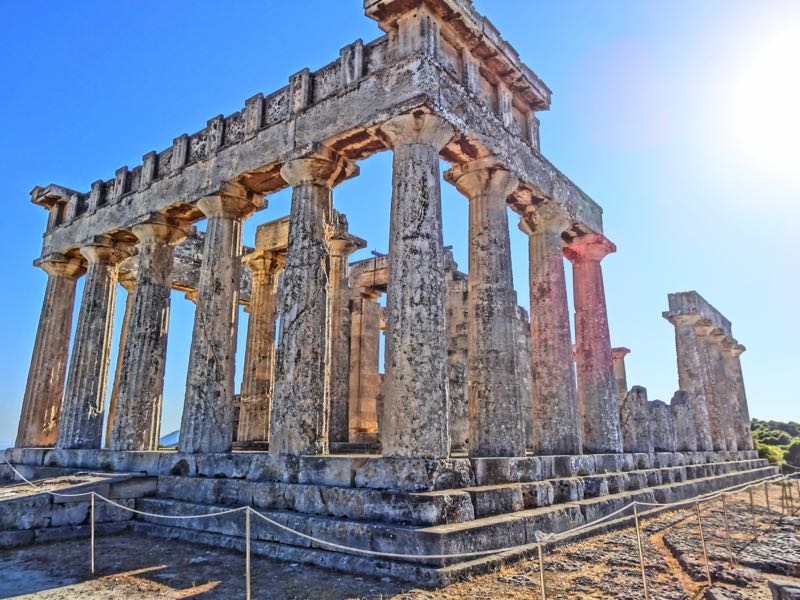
x,y
793,453
772,437
771,453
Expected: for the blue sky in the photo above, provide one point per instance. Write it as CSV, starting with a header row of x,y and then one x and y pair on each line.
x,y
679,118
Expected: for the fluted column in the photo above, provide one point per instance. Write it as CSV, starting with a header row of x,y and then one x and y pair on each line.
x,y
41,404
745,433
137,418
208,409
620,376
127,281
415,403
691,375
712,376
724,385
300,405
84,399
556,418
365,380
256,395
597,390
494,396
338,376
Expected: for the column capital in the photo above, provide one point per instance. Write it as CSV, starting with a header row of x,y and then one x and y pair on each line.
x,y
317,165
545,216
621,352
232,200
263,261
63,266
484,176
681,318
159,228
728,342
737,350
345,246
127,280
592,247
105,250
418,128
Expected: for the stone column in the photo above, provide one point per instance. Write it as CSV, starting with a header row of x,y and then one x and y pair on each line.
x,y
597,390
661,428
137,418
620,377
495,400
556,419
208,408
635,421
683,422
127,281
300,404
724,385
710,359
415,404
41,404
364,387
256,395
525,374
338,375
84,399
691,375
746,434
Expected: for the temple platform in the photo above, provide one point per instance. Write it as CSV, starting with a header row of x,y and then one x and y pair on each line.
x,y
399,506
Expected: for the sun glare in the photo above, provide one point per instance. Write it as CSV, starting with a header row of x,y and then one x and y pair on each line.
x,y
764,101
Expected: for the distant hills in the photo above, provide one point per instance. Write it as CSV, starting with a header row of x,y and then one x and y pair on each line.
x,y
170,440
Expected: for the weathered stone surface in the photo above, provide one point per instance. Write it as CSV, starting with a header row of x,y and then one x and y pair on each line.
x,y
683,422
415,383
84,398
207,423
137,415
597,393
495,400
556,416
661,427
41,404
635,421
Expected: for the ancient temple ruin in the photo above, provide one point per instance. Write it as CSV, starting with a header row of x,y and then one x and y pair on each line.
x,y
485,424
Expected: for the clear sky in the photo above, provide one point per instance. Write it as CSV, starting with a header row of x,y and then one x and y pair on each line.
x,y
680,118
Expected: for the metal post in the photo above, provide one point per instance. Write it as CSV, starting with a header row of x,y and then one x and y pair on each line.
x,y
703,542
541,572
92,521
727,528
641,552
247,550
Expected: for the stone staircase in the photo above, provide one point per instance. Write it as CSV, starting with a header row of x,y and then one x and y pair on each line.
x,y
404,506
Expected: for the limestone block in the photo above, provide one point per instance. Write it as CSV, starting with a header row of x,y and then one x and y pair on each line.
x,y
595,486
264,467
414,474
234,466
550,520
537,494
568,490
661,427
330,470
496,499
572,465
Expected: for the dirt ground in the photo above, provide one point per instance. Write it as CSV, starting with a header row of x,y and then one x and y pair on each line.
x,y
765,545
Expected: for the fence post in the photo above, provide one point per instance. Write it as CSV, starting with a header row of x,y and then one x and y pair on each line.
x,y
703,542
727,528
541,572
766,495
92,527
247,550
641,551
753,511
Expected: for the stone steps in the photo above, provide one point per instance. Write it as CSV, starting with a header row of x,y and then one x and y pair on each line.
x,y
484,533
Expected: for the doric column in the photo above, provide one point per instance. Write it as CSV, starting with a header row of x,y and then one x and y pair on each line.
x,y
719,345
338,375
127,281
620,377
745,433
41,404
415,405
691,375
365,380
208,409
259,356
683,422
137,418
597,390
556,418
495,400
300,404
661,427
85,395
635,421
713,384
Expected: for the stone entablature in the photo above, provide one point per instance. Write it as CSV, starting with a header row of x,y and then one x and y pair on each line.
x,y
341,106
